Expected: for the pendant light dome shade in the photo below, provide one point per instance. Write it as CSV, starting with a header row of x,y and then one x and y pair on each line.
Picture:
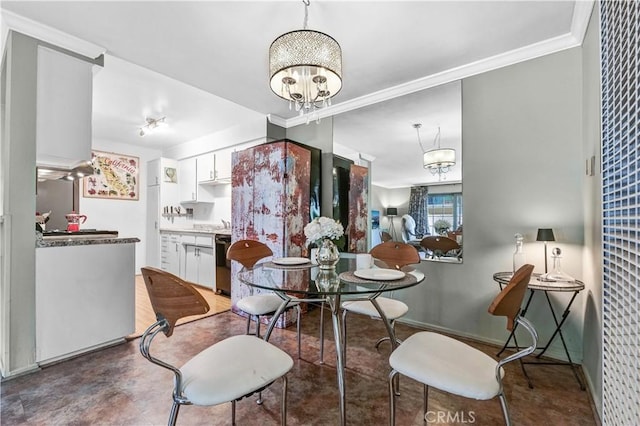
x,y
305,68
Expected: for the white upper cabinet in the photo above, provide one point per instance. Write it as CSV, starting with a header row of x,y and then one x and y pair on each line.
x,y
223,165
206,167
64,95
190,190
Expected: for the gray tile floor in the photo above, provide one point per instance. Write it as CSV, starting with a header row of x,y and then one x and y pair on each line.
x,y
117,386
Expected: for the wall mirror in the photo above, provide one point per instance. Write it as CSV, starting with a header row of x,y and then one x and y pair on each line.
x,y
385,133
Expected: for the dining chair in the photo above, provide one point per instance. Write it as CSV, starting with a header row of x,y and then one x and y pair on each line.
x,y
226,371
439,245
393,255
248,253
447,364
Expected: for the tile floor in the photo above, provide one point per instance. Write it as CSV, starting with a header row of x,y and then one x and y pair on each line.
x,y
116,386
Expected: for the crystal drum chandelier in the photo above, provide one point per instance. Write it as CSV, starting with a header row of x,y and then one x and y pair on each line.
x,y
305,67
437,160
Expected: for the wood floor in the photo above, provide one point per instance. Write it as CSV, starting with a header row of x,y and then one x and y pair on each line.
x,y
145,315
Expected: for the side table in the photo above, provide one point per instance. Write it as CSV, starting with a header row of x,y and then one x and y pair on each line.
x,y
502,278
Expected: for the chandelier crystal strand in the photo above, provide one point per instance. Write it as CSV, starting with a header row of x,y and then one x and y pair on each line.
x,y
305,68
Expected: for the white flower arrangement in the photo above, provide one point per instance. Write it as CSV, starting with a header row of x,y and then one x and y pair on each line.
x,y
322,228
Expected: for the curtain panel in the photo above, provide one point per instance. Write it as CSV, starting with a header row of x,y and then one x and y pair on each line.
x,y
418,208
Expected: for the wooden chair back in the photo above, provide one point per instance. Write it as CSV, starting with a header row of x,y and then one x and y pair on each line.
x,y
439,243
509,301
171,297
395,255
385,236
248,252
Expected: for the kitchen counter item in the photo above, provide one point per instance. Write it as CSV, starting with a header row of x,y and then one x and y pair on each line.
x,y
74,221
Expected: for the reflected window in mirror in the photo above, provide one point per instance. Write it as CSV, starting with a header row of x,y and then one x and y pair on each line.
x,y
444,214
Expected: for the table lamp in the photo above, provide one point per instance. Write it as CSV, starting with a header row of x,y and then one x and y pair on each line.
x,y
545,234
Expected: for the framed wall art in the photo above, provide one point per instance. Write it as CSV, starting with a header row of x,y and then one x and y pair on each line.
x,y
115,177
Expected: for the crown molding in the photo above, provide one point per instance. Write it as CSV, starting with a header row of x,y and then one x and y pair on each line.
x,y
580,21
581,14
51,35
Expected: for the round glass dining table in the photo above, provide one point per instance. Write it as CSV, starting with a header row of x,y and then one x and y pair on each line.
x,y
308,283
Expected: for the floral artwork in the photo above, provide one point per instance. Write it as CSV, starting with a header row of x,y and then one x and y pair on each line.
x,y
115,176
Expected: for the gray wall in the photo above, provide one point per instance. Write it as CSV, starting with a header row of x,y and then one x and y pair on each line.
x,y
521,132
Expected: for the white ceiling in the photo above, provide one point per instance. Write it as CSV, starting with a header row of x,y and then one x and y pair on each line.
x,y
210,62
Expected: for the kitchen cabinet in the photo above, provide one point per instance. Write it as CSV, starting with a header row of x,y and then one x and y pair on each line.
x,y
171,254
206,167
63,109
223,166
152,241
190,190
199,264
160,192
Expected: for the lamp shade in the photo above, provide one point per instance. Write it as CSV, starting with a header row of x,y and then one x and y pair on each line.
x,y
441,157
392,211
545,234
305,67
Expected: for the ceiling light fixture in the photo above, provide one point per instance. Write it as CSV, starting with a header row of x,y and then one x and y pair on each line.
x,y
305,67
437,160
152,124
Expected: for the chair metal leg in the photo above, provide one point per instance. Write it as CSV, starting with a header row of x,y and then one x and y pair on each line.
x,y
174,413
283,409
233,413
392,398
322,333
505,409
258,326
425,402
298,327
248,323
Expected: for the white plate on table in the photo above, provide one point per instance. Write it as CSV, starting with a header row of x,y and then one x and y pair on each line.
x,y
290,261
378,274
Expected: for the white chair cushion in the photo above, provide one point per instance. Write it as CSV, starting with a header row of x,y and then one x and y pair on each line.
x,y
232,368
447,364
260,304
392,308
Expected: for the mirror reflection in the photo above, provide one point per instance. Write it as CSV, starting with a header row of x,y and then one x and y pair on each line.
x,y
413,147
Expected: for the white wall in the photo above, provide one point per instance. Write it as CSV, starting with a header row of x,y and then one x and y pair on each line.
x,y
592,270
523,170
128,217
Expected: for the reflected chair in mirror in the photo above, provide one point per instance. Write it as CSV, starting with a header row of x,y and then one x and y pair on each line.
x,y
393,255
226,371
385,236
447,364
440,246
408,228
248,253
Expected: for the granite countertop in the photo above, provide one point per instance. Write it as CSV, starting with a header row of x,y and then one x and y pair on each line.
x,y
85,241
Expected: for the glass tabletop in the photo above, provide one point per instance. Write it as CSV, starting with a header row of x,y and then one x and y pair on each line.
x,y
309,279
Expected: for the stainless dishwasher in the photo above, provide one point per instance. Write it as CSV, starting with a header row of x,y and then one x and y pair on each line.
x,y
223,266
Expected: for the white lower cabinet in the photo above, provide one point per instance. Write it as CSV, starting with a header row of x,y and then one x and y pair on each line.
x,y
191,256
171,254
